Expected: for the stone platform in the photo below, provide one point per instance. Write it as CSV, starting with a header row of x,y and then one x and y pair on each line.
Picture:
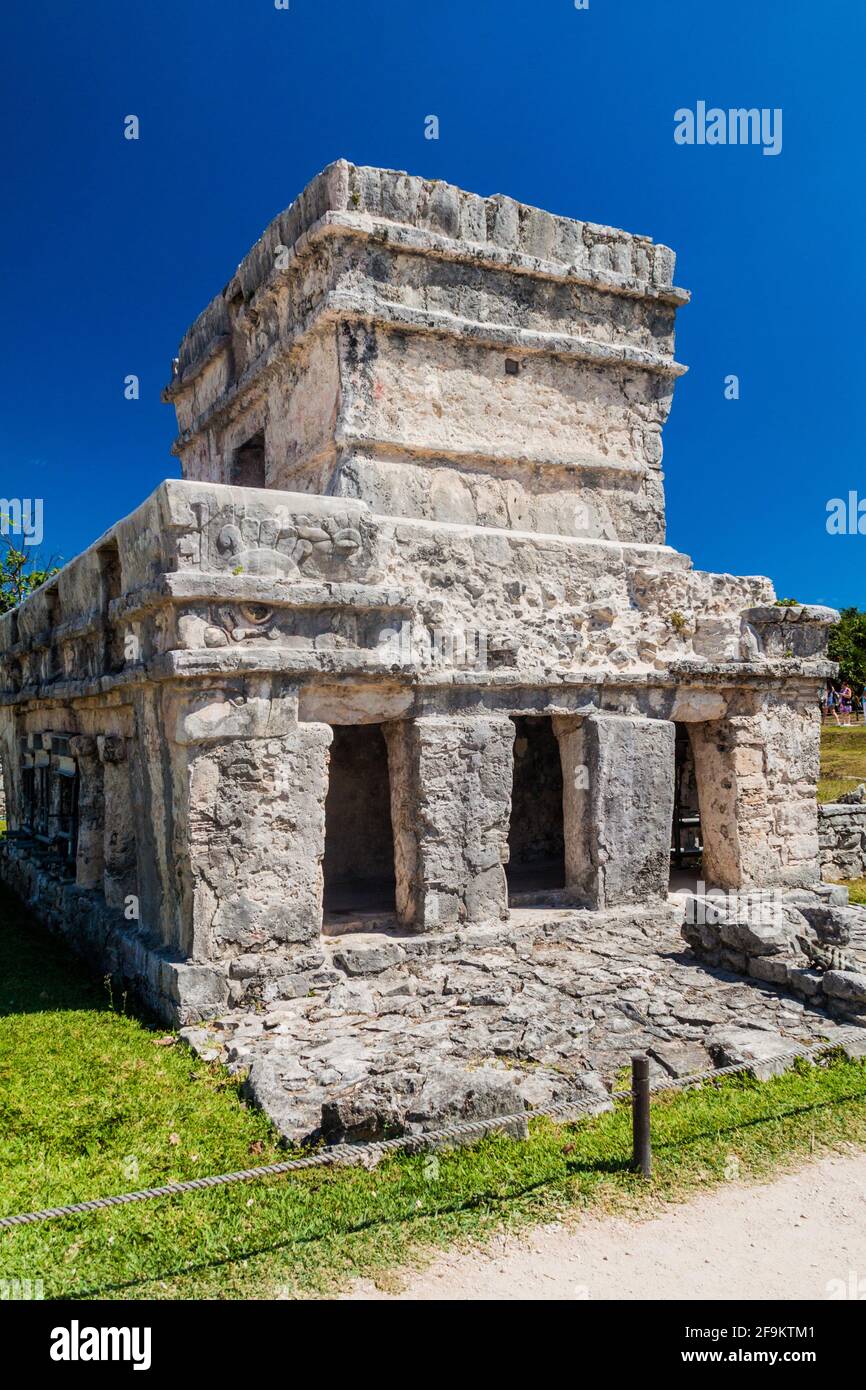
x,y
401,1031
408,627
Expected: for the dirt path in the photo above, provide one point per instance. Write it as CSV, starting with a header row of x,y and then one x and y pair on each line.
x,y
787,1239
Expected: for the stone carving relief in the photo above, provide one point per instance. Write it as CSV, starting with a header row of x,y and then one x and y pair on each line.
x,y
240,622
750,643
280,544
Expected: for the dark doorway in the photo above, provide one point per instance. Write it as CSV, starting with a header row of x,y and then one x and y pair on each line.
x,y
686,838
358,864
248,462
115,655
536,840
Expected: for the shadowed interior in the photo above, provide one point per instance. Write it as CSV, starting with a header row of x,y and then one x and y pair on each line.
x,y
535,835
358,862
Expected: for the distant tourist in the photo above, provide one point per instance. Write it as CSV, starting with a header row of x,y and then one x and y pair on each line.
x,y
846,703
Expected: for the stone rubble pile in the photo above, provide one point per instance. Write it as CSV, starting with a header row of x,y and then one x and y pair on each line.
x,y
815,948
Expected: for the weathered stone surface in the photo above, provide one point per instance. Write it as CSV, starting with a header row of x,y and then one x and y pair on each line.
x,y
847,985
787,942
368,959
555,1010
842,836
768,929
834,925
630,773
406,1103
805,980
275,1084
769,968
764,1051
421,508
758,809
451,796
854,1047
681,1058
453,1094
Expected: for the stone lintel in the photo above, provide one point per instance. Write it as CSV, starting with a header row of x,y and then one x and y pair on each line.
x,y
250,708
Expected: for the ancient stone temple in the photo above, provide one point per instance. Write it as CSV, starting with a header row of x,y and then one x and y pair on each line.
x,y
405,647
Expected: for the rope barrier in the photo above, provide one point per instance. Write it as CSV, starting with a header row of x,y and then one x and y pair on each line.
x,y
340,1155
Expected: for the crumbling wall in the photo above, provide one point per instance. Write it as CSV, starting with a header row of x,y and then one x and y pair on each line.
x,y
438,354
842,838
797,943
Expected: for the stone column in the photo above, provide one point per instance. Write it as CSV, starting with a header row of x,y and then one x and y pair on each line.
x,y
90,853
119,870
757,776
54,791
618,797
249,824
450,806
580,876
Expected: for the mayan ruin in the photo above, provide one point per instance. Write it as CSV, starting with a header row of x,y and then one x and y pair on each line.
x,y
347,749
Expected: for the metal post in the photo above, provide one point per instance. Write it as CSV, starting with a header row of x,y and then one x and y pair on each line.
x,y
640,1115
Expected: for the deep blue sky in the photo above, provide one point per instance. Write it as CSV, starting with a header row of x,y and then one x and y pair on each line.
x,y
111,247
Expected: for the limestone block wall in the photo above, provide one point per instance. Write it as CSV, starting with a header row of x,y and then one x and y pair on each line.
x,y
756,775
202,568
207,584
440,355
842,839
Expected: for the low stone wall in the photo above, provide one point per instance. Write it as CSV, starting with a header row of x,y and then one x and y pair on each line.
x,y
178,990
842,840
797,946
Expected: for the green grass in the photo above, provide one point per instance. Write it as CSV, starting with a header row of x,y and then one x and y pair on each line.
x,y
843,760
92,1104
857,890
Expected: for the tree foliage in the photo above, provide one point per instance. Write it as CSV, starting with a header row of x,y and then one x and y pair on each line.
x,y
848,647
20,573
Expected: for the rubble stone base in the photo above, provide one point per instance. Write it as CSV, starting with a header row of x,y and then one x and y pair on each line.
x,y
406,1032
